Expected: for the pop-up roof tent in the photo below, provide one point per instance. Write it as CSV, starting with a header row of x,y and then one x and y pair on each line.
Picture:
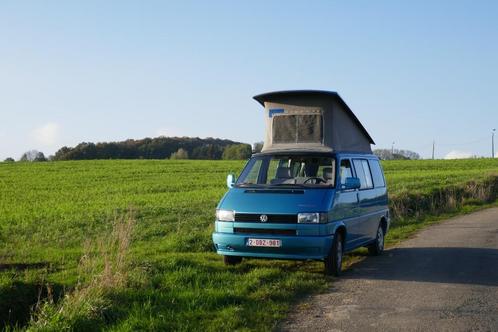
x,y
313,121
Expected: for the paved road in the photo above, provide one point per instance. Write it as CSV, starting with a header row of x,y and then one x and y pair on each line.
x,y
444,279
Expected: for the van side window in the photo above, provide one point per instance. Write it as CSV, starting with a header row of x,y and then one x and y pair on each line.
x,y
346,171
378,177
363,173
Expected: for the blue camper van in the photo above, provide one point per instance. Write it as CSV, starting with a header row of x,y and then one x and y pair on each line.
x,y
314,192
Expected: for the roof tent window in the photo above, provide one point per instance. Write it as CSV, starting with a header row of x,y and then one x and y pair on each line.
x,y
303,128
284,129
309,128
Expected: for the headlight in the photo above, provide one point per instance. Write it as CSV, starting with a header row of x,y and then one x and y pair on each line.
x,y
225,215
311,218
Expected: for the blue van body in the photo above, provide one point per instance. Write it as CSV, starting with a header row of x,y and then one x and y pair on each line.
x,y
356,213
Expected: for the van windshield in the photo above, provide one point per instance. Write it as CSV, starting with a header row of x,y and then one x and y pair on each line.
x,y
288,171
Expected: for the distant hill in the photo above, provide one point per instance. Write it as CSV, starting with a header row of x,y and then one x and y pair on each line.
x,y
157,148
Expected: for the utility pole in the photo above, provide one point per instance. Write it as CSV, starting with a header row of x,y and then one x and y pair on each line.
x,y
433,147
392,150
493,143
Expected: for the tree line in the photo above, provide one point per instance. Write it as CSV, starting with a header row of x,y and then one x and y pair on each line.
x,y
396,154
172,148
149,148
158,148
31,155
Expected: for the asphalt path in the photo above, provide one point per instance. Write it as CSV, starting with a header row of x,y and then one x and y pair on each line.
x,y
443,279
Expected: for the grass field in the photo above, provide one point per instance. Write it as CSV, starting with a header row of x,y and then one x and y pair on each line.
x,y
125,245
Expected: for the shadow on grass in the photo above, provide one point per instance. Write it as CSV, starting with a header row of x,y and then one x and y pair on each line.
x,y
19,299
23,266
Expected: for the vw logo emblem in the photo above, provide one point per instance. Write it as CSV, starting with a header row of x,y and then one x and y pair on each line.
x,y
263,218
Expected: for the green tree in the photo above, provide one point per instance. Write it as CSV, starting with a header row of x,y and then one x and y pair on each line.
x,y
9,160
207,152
40,157
237,151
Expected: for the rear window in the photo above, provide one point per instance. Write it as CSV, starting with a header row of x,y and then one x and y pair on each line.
x,y
377,174
302,128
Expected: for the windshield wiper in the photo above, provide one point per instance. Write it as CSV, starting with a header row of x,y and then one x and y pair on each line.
x,y
248,184
288,185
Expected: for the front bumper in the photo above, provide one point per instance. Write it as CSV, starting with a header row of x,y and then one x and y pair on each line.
x,y
293,247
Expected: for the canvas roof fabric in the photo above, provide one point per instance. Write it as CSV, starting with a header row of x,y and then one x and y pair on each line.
x,y
311,120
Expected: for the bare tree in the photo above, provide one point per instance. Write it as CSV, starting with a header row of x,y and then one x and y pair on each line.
x,y
387,154
257,147
33,155
180,154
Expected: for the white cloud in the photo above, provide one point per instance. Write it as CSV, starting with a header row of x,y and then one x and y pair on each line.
x,y
46,135
458,155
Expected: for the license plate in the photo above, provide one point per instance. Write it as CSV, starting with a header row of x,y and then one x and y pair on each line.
x,y
264,243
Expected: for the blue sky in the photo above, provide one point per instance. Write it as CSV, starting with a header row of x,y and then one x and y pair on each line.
x,y
101,71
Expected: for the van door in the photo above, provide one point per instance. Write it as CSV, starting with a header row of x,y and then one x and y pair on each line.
x,y
366,205
346,206
380,200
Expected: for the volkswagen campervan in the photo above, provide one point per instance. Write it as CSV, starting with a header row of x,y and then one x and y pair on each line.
x,y
314,192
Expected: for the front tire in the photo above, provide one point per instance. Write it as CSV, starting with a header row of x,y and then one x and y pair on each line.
x,y
333,262
376,248
232,260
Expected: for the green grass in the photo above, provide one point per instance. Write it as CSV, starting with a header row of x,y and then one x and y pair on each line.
x,y
51,212
423,176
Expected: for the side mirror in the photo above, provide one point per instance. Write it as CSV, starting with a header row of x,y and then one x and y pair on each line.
x,y
351,183
231,180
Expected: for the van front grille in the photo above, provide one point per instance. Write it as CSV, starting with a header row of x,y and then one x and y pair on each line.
x,y
264,231
272,218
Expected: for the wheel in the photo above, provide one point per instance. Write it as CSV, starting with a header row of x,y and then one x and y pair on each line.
x,y
232,260
333,262
377,247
